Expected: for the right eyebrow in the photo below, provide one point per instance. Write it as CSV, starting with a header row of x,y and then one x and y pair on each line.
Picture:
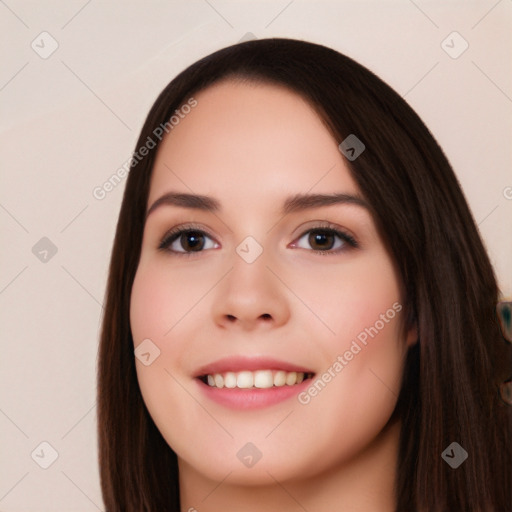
x,y
193,201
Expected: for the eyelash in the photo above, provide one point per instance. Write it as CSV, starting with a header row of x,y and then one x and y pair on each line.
x,y
175,233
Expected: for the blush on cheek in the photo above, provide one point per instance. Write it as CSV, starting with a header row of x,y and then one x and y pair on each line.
x,y
154,307
365,305
365,322
373,356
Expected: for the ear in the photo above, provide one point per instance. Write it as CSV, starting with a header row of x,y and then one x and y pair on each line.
x,y
412,336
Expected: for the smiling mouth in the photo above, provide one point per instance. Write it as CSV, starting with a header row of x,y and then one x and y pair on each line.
x,y
259,379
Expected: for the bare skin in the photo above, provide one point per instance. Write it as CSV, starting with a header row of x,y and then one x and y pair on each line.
x,y
251,147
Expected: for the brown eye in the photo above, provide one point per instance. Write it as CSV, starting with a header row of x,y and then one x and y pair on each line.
x,y
186,241
321,240
326,241
192,240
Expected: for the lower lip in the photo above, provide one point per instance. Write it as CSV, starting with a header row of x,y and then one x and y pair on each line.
x,y
254,398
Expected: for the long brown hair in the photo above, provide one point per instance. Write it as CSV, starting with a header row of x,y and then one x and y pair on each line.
x,y
452,375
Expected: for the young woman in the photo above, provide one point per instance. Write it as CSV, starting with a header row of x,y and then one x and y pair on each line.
x,y
300,313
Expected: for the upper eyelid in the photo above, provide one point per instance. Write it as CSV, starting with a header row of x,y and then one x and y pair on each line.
x,y
315,224
186,228
178,230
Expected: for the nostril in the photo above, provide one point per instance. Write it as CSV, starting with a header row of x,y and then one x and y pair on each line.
x,y
266,316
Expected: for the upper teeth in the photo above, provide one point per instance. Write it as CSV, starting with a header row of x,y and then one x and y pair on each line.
x,y
257,379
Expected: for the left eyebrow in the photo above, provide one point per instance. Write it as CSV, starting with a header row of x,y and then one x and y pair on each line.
x,y
295,203
300,202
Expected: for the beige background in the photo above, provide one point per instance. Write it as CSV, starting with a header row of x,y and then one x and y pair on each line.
x,y
70,120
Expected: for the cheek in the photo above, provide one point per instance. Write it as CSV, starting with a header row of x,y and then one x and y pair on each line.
x,y
160,299
363,354
352,297
151,305
351,400
369,338
161,310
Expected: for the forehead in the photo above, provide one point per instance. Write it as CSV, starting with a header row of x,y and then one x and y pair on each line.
x,y
242,139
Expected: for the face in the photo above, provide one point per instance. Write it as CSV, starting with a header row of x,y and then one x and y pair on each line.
x,y
270,322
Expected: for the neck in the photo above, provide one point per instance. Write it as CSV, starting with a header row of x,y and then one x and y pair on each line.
x,y
365,483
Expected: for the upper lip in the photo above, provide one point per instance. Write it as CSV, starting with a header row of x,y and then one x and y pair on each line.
x,y
238,364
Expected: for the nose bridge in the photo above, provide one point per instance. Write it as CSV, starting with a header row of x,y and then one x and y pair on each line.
x,y
250,277
251,292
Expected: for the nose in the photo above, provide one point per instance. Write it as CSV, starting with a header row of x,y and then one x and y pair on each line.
x,y
251,297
